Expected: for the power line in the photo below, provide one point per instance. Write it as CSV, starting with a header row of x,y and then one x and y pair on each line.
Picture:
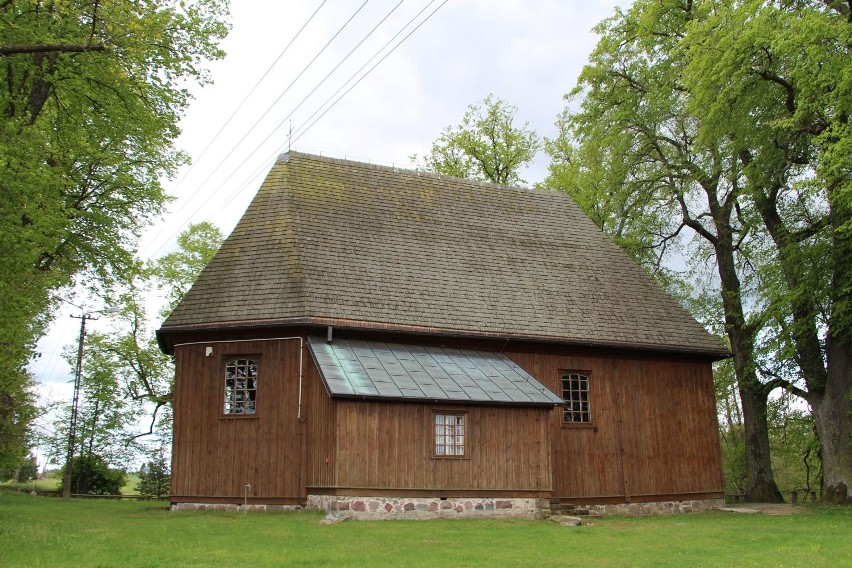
x,y
303,131
266,112
304,127
246,98
266,164
280,124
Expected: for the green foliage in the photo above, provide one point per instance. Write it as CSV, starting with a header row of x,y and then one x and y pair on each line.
x,y
712,143
24,471
17,410
91,475
128,359
731,431
154,478
89,107
486,146
176,271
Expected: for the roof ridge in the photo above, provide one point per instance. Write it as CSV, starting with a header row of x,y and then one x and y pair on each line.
x,y
285,157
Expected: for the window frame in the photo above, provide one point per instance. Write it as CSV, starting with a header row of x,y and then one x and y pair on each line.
x,y
590,422
433,433
223,386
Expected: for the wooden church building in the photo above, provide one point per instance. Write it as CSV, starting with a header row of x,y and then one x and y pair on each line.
x,y
395,343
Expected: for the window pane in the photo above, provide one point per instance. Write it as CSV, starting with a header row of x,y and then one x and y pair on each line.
x,y
240,386
449,435
575,393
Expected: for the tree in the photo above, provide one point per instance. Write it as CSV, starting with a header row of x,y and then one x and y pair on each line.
x,y
154,478
631,159
17,410
23,471
142,373
176,271
89,107
486,146
702,132
783,112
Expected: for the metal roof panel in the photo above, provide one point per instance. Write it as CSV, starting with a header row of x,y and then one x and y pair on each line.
x,y
389,371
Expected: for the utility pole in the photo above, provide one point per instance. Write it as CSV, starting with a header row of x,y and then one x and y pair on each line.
x,y
75,403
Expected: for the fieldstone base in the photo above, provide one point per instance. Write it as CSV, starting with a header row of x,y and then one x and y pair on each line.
x,y
656,508
233,507
377,508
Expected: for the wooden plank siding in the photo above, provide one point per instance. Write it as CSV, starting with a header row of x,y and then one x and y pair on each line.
x,y
390,446
214,456
318,413
653,431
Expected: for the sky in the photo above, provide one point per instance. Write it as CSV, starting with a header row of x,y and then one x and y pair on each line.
x,y
526,52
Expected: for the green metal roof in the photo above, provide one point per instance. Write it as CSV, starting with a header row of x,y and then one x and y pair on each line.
x,y
373,369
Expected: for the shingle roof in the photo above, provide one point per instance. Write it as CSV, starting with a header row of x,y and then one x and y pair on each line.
x,y
373,369
328,240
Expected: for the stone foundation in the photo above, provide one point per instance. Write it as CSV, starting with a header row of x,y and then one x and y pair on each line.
x,y
377,508
655,508
233,507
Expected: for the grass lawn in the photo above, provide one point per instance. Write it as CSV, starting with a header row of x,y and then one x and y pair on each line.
x,y
45,531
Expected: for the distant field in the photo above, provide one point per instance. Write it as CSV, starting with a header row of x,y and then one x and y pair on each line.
x,y
52,482
44,531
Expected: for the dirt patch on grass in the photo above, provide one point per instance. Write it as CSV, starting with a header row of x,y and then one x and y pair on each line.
x,y
770,508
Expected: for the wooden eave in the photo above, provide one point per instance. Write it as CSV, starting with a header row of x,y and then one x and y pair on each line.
x,y
167,345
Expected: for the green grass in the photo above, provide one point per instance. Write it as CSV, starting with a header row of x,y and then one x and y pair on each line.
x,y
52,482
130,483
43,531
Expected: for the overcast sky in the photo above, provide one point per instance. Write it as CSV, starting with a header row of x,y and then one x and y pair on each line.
x,y
527,53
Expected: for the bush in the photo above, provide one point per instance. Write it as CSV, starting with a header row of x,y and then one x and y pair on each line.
x,y
91,475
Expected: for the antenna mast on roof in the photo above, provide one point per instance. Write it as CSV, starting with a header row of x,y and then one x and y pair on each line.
x,y
290,136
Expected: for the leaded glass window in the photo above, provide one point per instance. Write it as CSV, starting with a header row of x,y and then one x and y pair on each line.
x,y
240,386
450,435
575,393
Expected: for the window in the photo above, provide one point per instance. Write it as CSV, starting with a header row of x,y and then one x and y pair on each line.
x,y
240,386
575,393
449,435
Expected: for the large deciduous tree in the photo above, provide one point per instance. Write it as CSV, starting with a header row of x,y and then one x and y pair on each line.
x,y
486,146
719,131
773,83
130,355
91,96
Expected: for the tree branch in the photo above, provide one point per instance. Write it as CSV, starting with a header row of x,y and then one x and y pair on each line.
x,y
778,382
790,103
49,48
693,223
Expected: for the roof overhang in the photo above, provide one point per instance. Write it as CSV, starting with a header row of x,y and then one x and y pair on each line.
x,y
166,345
359,369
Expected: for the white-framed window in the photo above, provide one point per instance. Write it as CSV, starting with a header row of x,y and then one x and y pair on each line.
x,y
241,386
450,435
575,393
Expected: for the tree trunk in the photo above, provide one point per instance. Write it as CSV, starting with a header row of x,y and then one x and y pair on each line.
x,y
833,417
760,481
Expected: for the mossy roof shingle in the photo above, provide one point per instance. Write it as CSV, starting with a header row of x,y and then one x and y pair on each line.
x,y
332,240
